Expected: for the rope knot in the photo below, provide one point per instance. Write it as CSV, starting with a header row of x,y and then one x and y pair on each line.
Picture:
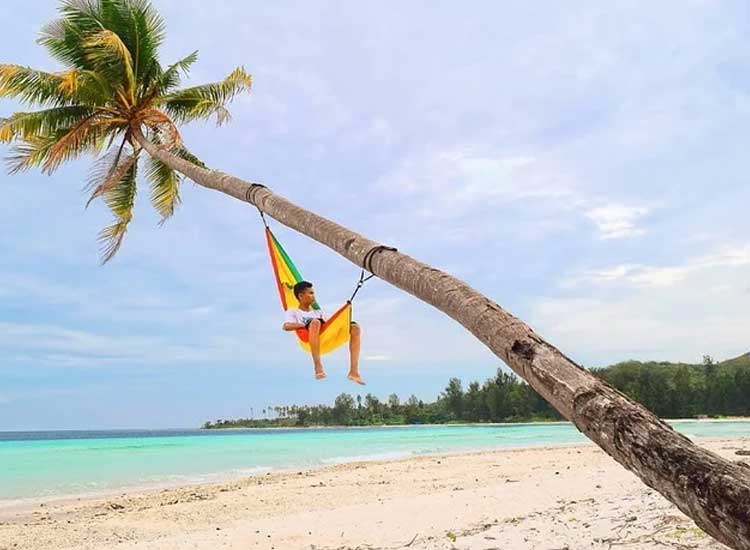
x,y
367,260
250,192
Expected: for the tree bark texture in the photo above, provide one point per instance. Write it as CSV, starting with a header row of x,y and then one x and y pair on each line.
x,y
713,491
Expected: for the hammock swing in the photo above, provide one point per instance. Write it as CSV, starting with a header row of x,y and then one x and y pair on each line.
x,y
336,330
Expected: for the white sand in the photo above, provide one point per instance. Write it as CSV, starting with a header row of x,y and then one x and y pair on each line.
x,y
550,499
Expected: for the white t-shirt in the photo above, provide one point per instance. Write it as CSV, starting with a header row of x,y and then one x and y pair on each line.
x,y
301,317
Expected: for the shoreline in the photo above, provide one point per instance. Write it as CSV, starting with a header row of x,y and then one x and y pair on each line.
x,y
234,475
223,478
323,427
465,424
529,498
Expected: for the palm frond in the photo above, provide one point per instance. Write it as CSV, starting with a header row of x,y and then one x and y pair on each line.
x,y
95,89
142,30
138,25
165,182
85,136
56,89
104,166
31,152
184,153
32,86
62,39
170,78
7,134
206,100
165,187
69,82
24,125
108,172
110,56
120,200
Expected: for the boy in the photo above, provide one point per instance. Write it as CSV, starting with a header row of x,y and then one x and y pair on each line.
x,y
312,320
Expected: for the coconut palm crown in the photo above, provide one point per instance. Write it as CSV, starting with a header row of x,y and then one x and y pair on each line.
x,y
113,82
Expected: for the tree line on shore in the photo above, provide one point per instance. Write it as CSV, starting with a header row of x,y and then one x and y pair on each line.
x,y
671,390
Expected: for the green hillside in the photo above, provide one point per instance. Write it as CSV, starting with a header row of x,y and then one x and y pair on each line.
x,y
671,390
681,390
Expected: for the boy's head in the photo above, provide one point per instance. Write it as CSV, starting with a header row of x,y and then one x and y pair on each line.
x,y
304,293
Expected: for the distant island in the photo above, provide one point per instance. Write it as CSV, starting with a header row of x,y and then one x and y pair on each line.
x,y
671,390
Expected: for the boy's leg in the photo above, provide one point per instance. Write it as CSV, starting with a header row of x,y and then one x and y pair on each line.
x,y
314,329
355,342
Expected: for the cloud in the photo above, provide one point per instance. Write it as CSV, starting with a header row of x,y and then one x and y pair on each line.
x,y
467,194
59,346
600,331
673,313
399,330
450,182
663,276
376,357
616,221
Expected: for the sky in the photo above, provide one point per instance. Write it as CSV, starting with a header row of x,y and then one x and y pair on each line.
x,y
584,165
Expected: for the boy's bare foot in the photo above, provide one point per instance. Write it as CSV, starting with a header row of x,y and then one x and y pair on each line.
x,y
356,378
318,366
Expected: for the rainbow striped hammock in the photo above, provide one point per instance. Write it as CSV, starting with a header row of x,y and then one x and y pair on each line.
x,y
335,330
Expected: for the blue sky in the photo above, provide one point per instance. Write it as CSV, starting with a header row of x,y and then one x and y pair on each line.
x,y
584,165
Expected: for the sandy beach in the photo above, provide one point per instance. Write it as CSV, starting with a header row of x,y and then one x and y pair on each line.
x,y
553,498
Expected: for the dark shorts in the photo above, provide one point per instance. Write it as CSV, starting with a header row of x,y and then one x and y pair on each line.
x,y
322,322
307,324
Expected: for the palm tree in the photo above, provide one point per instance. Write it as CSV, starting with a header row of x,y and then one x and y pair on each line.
x,y
115,99
114,84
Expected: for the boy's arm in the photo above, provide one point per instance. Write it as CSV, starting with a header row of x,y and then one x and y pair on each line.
x,y
290,321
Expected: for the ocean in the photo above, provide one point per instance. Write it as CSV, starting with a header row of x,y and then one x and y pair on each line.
x,y
73,463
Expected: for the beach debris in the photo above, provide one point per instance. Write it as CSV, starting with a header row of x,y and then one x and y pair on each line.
x,y
115,506
742,452
451,535
513,521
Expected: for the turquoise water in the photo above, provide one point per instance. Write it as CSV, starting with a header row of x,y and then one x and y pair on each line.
x,y
43,464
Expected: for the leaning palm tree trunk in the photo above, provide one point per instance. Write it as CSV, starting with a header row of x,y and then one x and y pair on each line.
x,y
713,491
